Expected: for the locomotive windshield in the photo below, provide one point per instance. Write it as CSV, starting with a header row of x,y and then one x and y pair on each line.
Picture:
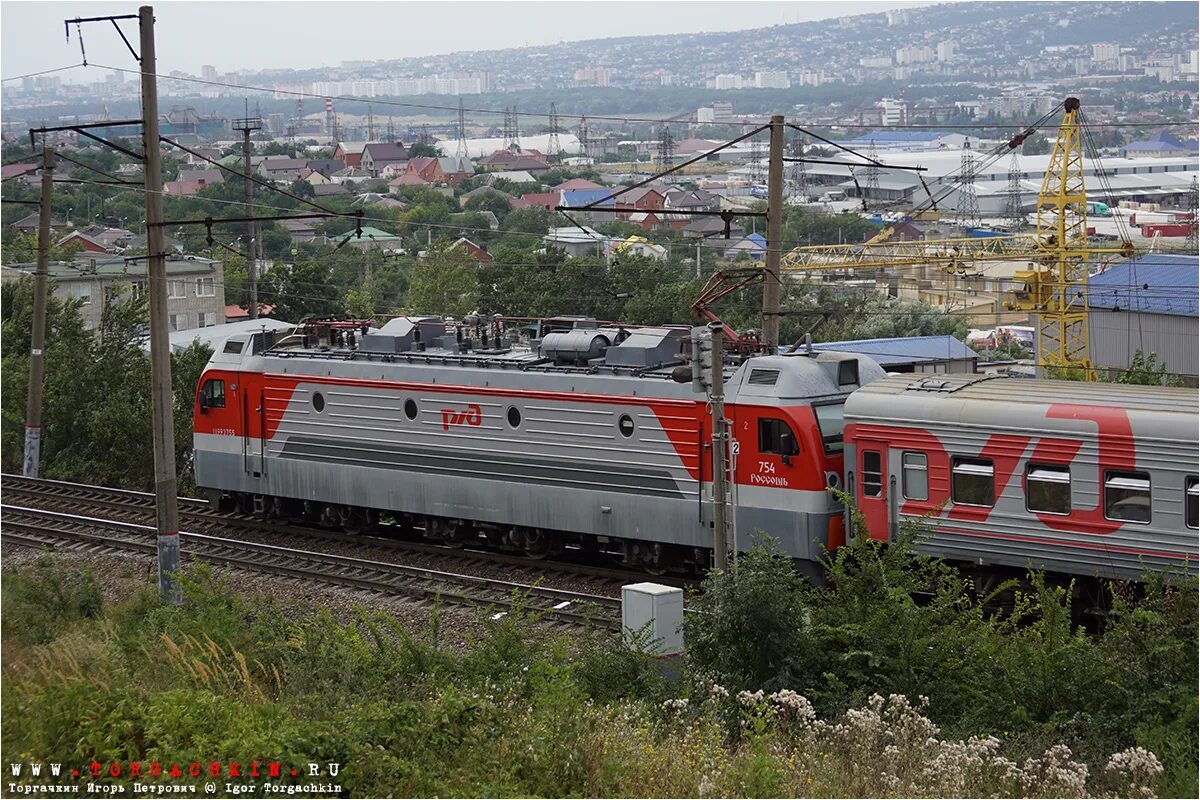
x,y
831,422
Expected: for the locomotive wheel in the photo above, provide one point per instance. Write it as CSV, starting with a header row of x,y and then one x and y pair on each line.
x,y
448,531
540,544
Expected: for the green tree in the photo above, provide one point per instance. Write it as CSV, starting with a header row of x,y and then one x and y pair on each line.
x,y
444,282
420,149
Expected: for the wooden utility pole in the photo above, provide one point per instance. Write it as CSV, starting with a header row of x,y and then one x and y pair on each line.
x,y
772,283
33,409
160,345
720,443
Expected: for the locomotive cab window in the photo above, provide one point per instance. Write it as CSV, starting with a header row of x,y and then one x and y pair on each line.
x,y
915,476
974,482
212,394
1127,496
1190,502
872,474
774,436
831,422
1048,489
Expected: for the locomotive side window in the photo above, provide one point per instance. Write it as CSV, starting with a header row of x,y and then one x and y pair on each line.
x,y
831,423
872,474
1190,502
774,436
974,482
1048,489
915,476
212,394
1127,496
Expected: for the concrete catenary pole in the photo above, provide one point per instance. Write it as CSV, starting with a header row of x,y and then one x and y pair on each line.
x,y
251,249
41,279
160,346
720,443
772,283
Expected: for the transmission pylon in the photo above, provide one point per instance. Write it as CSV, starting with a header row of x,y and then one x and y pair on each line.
x,y
968,201
553,146
1193,204
798,173
1014,214
756,156
390,136
461,148
370,124
666,146
583,136
516,129
872,181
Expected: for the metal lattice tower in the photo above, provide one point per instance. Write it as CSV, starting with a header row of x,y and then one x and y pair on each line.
x,y
425,138
506,135
798,173
666,146
1014,214
516,128
968,201
583,136
390,136
872,181
1193,223
756,156
553,147
370,124
460,150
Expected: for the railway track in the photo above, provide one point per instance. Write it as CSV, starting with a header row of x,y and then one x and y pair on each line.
x,y
134,506
52,530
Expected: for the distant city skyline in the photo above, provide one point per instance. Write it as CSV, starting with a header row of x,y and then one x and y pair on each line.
x,y
233,36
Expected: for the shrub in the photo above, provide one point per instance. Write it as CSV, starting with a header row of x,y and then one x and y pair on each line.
x,y
44,599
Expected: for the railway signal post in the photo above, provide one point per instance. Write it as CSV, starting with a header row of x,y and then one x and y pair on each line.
x,y
33,410
160,346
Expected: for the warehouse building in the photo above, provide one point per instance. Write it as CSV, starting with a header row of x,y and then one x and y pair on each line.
x,y
1148,304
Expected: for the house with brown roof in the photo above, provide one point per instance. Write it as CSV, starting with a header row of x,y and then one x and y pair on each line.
x,y
476,252
577,183
209,176
89,244
510,161
640,199
407,179
183,188
30,223
546,200
349,153
377,155
427,168
18,170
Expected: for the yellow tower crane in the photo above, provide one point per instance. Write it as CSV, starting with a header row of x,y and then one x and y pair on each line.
x,y
1055,285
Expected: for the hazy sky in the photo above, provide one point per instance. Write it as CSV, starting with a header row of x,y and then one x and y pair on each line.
x,y
232,35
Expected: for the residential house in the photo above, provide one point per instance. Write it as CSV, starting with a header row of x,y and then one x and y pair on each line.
x,y
691,200
315,178
546,200
89,244
407,179
641,199
578,242
349,153
138,242
235,313
183,188
754,246
376,199
707,227
349,174
514,158
640,246
377,155
201,153
372,239
476,252
30,223
195,286
578,198
1162,146
486,191
113,239
648,220
518,176
23,171
456,170
329,190
283,169
426,168
301,231
325,166
577,183
208,176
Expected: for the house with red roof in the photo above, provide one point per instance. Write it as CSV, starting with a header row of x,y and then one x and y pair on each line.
x,y
546,200
578,183
89,244
473,250
426,168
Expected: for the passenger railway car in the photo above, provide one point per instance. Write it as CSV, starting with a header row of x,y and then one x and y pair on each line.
x,y
580,438
1081,478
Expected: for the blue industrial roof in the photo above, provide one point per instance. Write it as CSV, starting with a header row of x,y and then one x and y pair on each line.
x,y
582,197
1159,283
902,349
758,239
1164,142
897,136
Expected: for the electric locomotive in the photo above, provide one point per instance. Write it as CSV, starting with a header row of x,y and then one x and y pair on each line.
x,y
576,436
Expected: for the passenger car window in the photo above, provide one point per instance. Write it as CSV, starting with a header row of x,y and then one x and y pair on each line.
x,y
1048,489
973,482
212,394
872,473
1127,496
915,476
